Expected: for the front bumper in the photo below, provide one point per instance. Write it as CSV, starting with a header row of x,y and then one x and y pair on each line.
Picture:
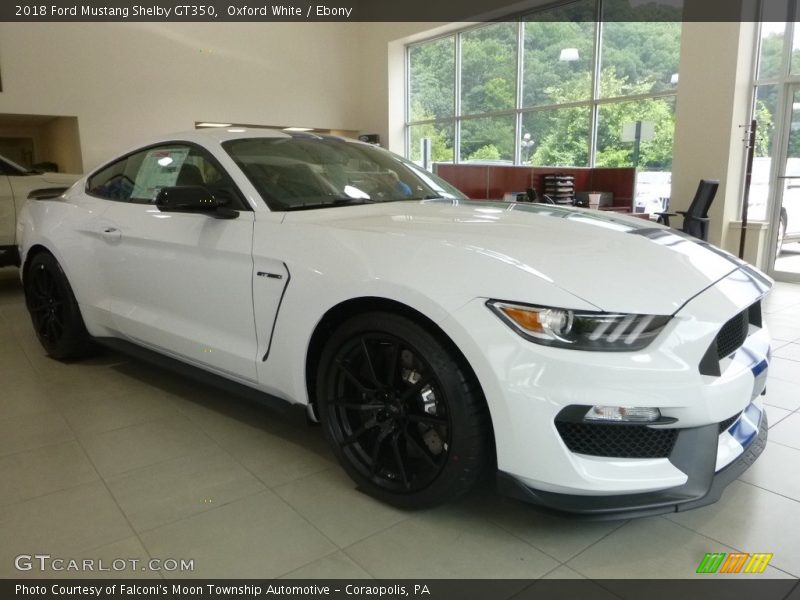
x,y
694,454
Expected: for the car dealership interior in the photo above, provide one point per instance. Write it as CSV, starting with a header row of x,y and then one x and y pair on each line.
x,y
114,457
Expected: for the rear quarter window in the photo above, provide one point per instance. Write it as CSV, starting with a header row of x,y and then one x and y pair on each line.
x,y
139,177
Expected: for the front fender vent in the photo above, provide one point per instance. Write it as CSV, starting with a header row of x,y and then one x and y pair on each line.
x,y
729,339
732,335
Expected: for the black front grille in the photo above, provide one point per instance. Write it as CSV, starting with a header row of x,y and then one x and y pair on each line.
x,y
725,425
617,441
732,335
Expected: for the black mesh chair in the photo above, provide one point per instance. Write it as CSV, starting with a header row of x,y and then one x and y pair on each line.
x,y
695,220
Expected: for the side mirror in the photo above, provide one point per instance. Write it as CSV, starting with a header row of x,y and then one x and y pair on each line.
x,y
192,199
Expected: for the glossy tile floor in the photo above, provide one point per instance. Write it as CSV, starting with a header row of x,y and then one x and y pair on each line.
x,y
113,459
789,259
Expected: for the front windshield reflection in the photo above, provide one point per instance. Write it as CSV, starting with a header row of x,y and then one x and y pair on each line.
x,y
306,172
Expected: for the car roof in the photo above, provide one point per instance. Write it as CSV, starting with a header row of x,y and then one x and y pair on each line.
x,y
223,134
210,136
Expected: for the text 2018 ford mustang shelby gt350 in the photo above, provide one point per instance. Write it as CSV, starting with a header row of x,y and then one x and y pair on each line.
x,y
601,364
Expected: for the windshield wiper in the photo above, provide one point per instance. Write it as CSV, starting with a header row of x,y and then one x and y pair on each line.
x,y
331,202
348,200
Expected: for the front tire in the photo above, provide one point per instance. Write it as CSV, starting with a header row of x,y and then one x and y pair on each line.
x,y
54,311
403,415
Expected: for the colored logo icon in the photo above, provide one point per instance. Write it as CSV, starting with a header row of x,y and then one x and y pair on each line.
x,y
735,562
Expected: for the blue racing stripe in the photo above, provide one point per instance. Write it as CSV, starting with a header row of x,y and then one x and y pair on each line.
x,y
754,355
745,429
759,368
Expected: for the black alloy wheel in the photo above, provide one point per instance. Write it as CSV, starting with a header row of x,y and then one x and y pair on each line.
x,y
54,311
400,412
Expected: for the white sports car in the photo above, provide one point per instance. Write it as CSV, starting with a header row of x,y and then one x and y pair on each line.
x,y
600,364
16,183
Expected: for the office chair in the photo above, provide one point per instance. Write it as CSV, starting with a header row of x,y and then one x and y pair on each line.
x,y
695,220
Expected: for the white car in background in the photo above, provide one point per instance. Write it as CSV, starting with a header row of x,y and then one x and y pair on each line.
x,y
16,183
789,226
599,364
653,189
789,223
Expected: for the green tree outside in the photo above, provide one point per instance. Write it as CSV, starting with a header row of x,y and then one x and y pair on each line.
x,y
638,58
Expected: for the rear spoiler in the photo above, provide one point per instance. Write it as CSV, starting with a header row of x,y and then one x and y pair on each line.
x,y
47,193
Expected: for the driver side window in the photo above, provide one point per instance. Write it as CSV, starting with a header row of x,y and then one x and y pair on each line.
x,y
139,177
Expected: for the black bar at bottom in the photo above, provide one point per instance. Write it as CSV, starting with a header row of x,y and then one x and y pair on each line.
x,y
434,589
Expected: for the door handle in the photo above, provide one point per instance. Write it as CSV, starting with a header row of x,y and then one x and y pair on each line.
x,y
111,233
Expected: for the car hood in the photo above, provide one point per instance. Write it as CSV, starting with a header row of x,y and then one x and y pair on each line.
x,y
611,261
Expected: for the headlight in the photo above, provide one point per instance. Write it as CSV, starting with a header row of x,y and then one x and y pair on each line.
x,y
580,330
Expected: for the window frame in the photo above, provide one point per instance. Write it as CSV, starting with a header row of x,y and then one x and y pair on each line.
x,y
594,102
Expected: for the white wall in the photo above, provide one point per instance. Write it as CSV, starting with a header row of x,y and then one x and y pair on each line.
x,y
127,82
59,142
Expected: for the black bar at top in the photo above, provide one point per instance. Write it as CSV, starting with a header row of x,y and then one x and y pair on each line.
x,y
383,10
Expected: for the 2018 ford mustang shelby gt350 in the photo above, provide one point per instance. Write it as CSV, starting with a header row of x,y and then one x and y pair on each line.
x,y
601,364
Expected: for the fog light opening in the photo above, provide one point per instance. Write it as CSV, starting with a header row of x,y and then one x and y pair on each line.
x,y
622,414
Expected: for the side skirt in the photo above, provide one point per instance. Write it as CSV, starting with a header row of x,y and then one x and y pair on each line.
x,y
200,376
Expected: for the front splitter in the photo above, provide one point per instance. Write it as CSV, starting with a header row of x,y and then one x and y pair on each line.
x,y
694,454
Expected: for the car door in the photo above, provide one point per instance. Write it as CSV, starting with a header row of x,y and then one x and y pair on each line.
x,y
178,283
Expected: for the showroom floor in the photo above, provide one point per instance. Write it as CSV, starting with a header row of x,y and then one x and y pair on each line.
x,y
113,459
789,259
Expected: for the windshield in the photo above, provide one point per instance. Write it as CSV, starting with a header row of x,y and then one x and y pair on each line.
x,y
314,172
11,168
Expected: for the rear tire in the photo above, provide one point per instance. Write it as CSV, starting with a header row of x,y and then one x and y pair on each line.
x,y
54,311
405,418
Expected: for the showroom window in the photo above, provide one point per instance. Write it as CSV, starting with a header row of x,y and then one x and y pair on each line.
x,y
557,87
774,191
776,89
